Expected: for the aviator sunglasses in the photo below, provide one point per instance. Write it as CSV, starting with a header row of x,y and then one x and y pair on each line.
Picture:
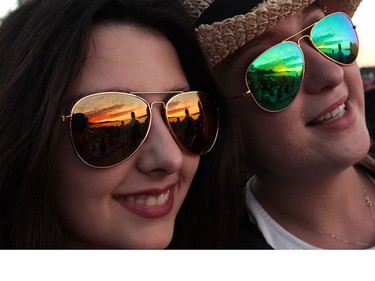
x,y
273,79
107,128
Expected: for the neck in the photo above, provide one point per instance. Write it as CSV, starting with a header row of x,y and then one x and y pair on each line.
x,y
332,203
314,189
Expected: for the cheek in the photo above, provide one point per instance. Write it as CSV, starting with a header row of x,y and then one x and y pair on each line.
x,y
81,188
354,83
187,173
189,168
256,123
266,134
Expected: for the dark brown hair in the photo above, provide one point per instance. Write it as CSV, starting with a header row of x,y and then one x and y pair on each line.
x,y
42,49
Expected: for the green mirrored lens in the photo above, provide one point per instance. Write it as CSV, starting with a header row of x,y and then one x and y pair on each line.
x,y
335,37
275,77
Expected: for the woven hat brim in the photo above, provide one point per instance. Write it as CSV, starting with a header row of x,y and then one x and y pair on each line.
x,y
221,39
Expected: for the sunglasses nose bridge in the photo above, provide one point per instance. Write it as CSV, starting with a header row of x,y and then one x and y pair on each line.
x,y
306,36
163,110
157,102
310,42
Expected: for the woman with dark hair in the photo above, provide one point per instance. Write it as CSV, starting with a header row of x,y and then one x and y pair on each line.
x,y
71,72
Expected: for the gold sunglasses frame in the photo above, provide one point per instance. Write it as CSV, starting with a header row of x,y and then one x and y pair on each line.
x,y
66,118
248,93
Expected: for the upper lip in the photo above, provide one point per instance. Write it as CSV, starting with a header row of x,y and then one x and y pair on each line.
x,y
329,109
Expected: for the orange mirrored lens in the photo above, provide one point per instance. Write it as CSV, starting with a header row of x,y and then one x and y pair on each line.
x,y
193,118
108,128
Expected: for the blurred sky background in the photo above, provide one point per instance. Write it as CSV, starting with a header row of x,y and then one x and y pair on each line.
x,y
364,19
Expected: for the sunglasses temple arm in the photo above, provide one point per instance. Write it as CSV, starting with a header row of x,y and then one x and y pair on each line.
x,y
247,94
299,32
65,118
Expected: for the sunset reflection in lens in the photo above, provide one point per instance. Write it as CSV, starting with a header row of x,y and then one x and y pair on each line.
x,y
335,37
109,127
193,118
275,76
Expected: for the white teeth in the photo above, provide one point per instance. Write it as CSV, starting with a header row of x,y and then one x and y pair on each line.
x,y
160,200
151,201
327,116
146,200
333,115
167,194
140,201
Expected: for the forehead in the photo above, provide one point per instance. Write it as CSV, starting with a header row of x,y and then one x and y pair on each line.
x,y
129,58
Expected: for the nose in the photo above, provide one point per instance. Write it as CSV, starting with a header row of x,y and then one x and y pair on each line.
x,y
159,154
320,72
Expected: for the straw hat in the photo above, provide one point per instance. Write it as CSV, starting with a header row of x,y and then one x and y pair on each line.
x,y
223,26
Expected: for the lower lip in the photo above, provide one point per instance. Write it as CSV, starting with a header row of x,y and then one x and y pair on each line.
x,y
150,212
339,124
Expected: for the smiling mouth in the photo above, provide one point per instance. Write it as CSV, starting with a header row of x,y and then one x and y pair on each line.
x,y
146,200
335,114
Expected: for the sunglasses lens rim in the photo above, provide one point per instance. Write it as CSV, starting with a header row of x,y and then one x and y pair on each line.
x,y
85,125
341,31
290,61
197,130
107,146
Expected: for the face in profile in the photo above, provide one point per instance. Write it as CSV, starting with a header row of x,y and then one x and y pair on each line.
x,y
133,204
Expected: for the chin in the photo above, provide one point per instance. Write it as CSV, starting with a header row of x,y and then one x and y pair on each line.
x,y
146,235
364,144
158,239
355,153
